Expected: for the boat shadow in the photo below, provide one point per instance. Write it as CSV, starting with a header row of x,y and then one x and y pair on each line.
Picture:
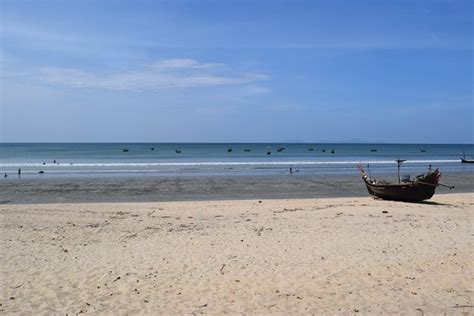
x,y
433,203
423,203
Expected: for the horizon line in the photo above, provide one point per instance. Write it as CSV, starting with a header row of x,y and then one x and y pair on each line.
x,y
230,142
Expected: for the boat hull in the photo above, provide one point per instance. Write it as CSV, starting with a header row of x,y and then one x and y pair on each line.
x,y
419,190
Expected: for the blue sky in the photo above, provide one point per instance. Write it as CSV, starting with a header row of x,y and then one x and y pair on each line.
x,y
236,71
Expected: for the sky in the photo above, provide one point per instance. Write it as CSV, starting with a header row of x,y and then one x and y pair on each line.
x,y
236,71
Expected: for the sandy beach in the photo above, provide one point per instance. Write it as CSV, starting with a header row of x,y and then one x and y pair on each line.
x,y
223,157
286,256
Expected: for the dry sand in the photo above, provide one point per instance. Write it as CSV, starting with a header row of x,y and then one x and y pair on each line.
x,y
341,255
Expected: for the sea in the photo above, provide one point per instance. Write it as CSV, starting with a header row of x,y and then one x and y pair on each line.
x,y
225,159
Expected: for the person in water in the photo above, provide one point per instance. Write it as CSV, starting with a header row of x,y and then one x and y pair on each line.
x,y
6,175
19,172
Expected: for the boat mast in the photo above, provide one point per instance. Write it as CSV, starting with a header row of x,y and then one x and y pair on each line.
x,y
399,163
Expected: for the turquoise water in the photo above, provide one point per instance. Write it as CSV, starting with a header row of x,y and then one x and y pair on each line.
x,y
109,159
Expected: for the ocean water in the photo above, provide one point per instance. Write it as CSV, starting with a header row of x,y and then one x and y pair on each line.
x,y
211,159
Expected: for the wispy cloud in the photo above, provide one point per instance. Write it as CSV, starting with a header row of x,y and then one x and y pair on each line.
x,y
256,89
164,74
24,37
132,42
184,63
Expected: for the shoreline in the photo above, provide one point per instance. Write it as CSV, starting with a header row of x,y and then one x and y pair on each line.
x,y
329,256
202,188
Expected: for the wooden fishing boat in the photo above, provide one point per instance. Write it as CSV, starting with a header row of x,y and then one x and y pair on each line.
x,y
421,188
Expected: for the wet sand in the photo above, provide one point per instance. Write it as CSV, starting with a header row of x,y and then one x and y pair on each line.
x,y
296,256
149,189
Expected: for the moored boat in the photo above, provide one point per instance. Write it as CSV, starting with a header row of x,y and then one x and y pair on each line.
x,y
420,189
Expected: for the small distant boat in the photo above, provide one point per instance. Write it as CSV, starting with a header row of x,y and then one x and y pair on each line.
x,y
229,150
323,150
247,150
152,148
333,152
310,149
464,160
373,150
269,152
421,188
125,150
422,149
178,151
280,149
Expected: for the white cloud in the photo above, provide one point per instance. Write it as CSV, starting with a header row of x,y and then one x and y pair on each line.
x,y
165,74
